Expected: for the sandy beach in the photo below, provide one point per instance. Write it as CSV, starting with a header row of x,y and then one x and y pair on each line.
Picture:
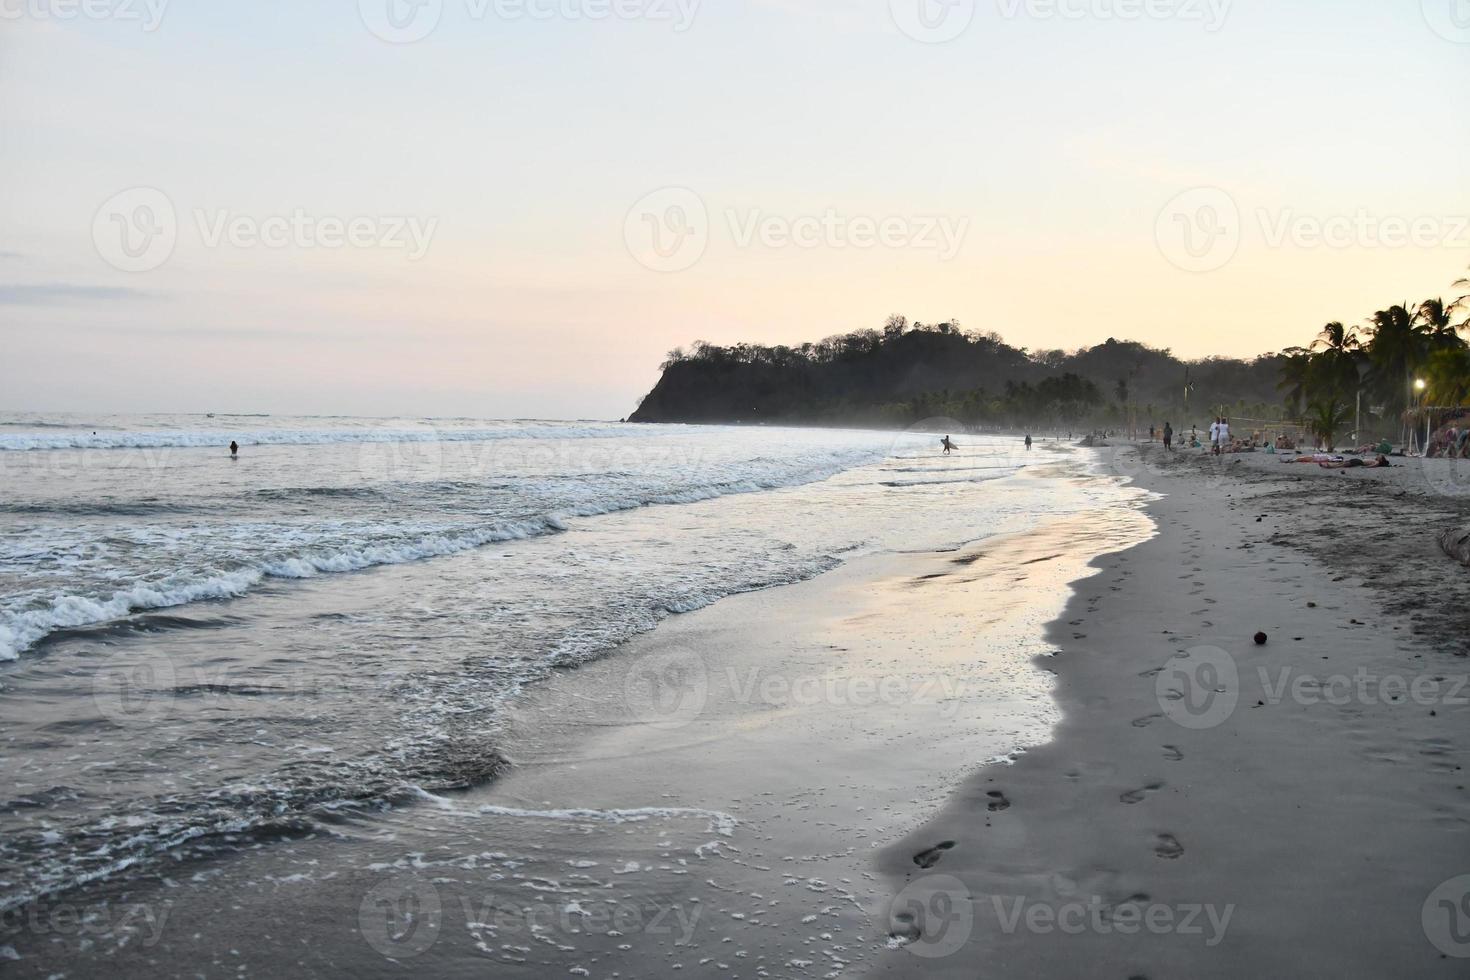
x,y
821,779
1210,807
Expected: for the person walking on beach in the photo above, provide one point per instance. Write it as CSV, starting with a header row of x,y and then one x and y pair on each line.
x,y
1028,442
234,449
1224,434
949,447
1168,437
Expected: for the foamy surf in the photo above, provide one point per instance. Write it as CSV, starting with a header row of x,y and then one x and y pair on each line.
x,y
22,628
324,703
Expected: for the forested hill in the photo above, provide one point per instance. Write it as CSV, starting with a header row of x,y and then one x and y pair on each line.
x,y
906,373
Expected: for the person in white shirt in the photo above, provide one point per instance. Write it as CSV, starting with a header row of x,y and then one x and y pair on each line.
x,y
1215,435
1224,434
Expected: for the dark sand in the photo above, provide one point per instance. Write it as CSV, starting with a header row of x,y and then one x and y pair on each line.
x,y
1269,831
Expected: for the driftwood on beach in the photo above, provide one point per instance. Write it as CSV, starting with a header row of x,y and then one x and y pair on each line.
x,y
1456,543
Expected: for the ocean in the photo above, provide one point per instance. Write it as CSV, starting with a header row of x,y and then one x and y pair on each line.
x,y
201,653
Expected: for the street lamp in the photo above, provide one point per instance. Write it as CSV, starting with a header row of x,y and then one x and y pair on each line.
x,y
1419,385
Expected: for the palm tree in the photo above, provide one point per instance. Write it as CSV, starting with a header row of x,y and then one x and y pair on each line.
x,y
1336,338
1398,346
1328,417
1437,318
1448,374
1294,371
1463,303
1334,368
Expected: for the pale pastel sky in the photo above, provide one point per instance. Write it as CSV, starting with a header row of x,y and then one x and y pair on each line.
x,y
515,208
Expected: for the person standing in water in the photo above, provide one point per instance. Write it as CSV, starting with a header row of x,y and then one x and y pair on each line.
x,y
234,449
949,447
1028,442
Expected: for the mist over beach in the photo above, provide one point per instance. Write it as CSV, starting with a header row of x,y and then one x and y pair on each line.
x,y
896,488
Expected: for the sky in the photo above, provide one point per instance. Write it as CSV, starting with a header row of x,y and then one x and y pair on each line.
x,y
515,208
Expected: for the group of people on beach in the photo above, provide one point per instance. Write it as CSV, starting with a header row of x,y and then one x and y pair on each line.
x,y
1451,443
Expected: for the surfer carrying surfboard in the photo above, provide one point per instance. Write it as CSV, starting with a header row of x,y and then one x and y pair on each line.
x,y
949,447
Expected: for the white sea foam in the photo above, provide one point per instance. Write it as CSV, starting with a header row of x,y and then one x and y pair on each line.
x,y
21,629
719,822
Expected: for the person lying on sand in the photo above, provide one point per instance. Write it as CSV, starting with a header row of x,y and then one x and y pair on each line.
x,y
1349,464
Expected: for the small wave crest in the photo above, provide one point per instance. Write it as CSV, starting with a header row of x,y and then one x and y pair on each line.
x,y
22,629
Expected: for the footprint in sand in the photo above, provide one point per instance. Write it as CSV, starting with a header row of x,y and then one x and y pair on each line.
x,y
905,929
997,802
1146,720
928,859
1139,795
1172,753
1167,846
1114,913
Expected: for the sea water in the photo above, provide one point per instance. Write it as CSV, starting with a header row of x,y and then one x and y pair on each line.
x,y
197,649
